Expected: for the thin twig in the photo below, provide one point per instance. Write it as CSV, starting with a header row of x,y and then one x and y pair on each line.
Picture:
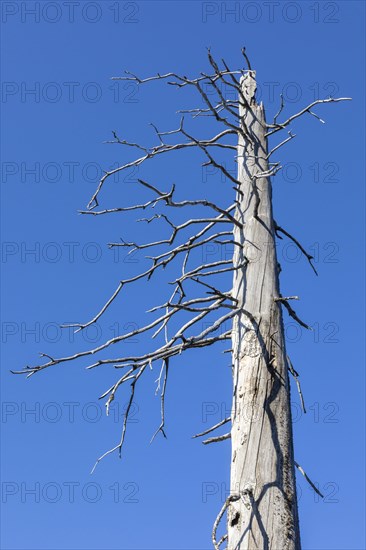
x,y
295,374
308,479
302,249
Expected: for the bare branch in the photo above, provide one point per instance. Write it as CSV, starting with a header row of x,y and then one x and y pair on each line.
x,y
231,498
308,479
182,80
228,419
285,298
246,58
158,150
282,104
295,374
216,439
162,400
308,256
291,136
124,427
280,126
293,314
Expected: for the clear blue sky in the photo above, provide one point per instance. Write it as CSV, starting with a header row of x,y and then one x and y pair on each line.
x,y
166,495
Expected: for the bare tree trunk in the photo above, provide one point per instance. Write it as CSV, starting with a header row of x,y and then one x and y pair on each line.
x,y
263,506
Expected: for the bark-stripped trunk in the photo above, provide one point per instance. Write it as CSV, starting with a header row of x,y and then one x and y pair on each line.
x,y
262,467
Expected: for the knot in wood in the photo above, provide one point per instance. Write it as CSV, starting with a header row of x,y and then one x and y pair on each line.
x,y
250,346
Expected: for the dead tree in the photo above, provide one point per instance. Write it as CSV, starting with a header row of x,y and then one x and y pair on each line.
x,y
262,506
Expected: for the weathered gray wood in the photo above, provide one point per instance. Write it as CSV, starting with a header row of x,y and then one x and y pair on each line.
x,y
262,467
